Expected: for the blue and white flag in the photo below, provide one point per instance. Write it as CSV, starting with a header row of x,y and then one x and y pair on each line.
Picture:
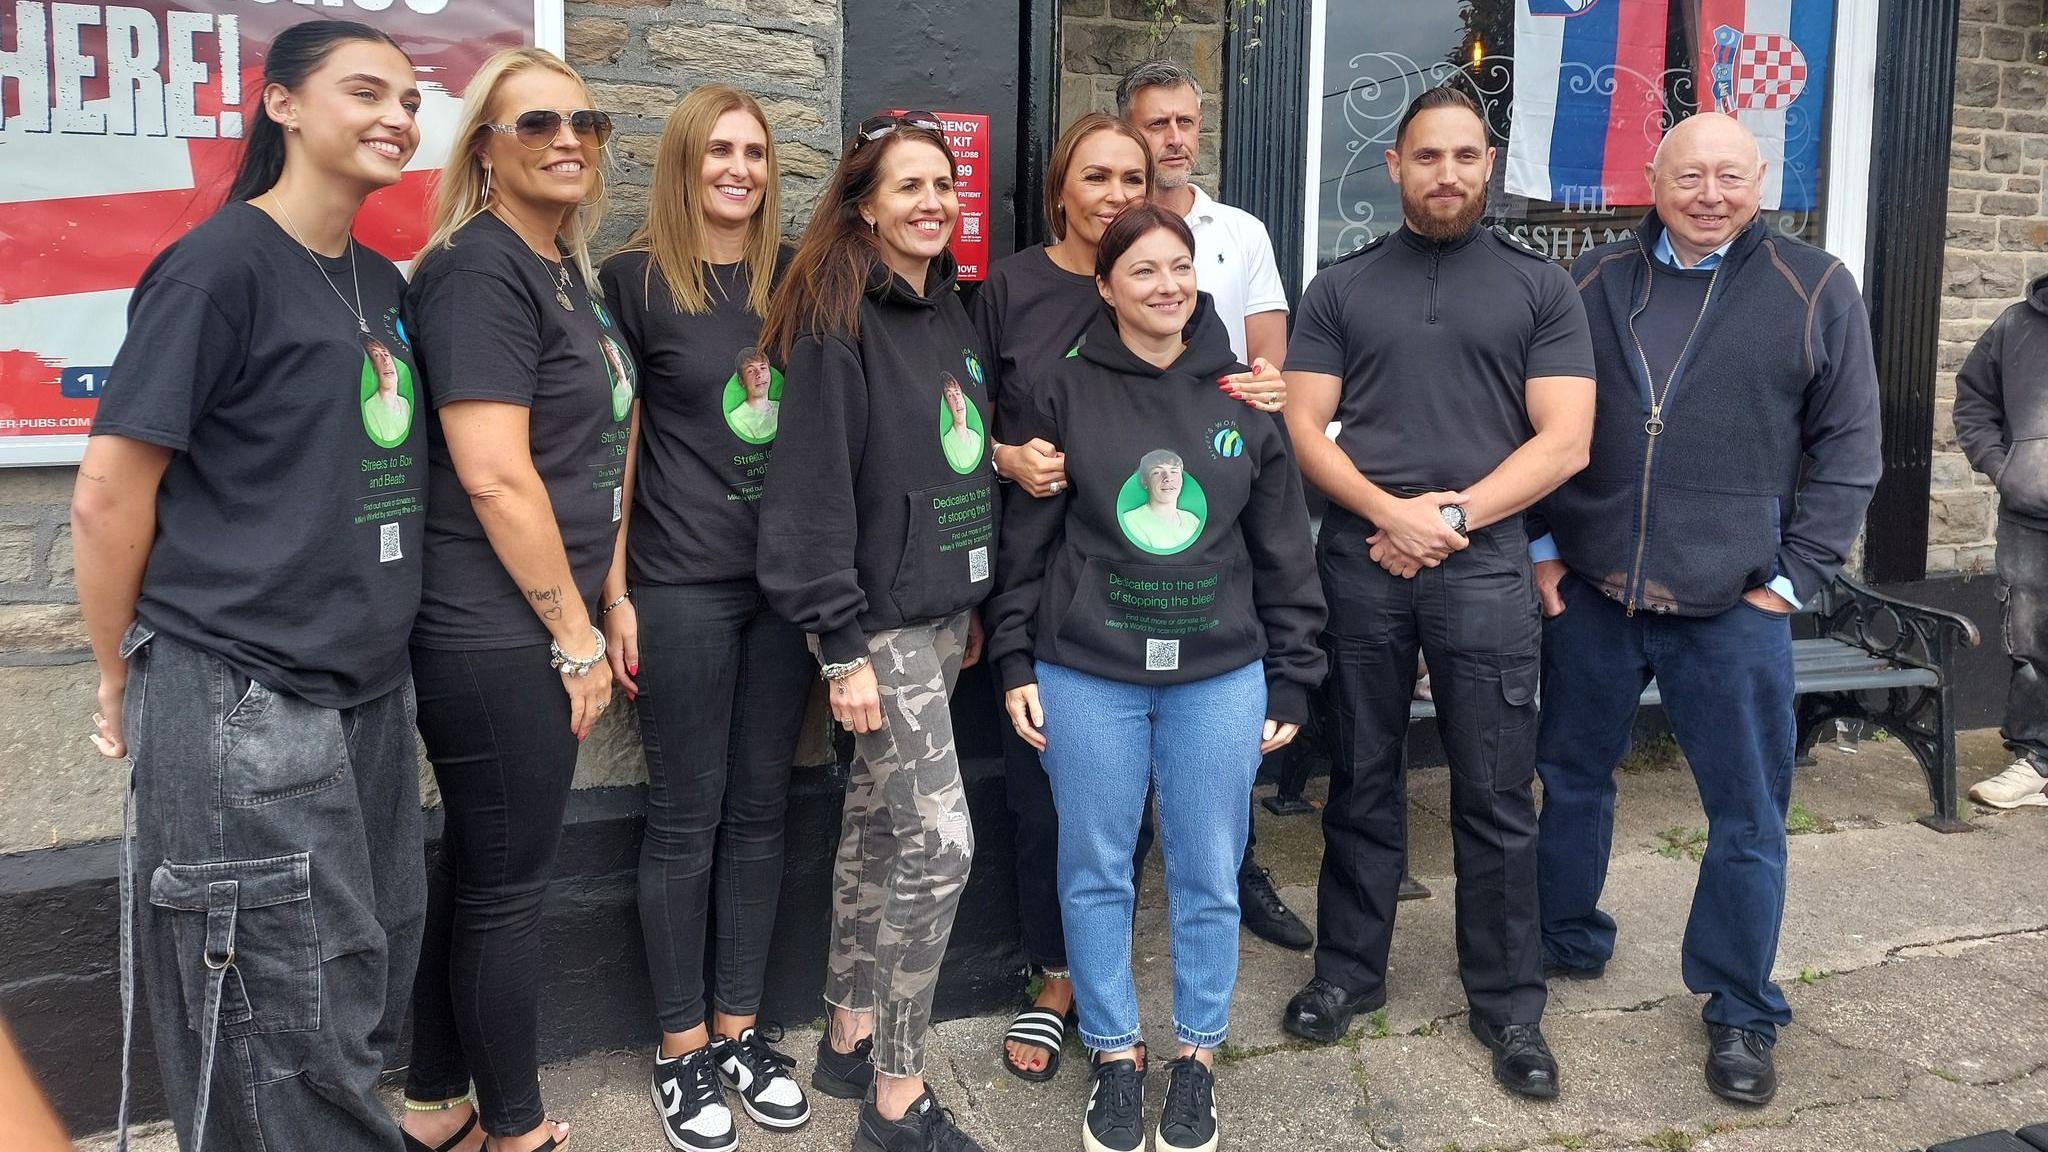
x,y
1589,100
1765,62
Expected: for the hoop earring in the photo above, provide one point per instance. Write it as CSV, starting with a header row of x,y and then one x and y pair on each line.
x,y
487,186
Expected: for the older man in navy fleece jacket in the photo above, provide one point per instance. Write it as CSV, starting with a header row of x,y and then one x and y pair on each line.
x,y
1726,356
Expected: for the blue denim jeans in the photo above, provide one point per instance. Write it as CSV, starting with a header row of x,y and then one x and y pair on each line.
x,y
1726,683
1105,742
280,847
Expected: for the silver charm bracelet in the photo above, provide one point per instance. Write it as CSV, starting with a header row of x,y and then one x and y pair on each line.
x,y
842,671
571,666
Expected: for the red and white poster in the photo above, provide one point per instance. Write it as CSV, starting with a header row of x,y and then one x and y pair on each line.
x,y
120,125
967,135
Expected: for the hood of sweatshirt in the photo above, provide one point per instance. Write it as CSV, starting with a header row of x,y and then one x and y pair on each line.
x,y
884,286
1208,352
2037,294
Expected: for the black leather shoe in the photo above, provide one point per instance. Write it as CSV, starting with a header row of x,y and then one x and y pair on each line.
x,y
1522,1062
1321,1012
1555,970
1265,915
1739,1065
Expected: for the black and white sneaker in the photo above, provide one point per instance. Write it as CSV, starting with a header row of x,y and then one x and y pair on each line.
x,y
692,1105
1116,1108
1188,1121
753,1068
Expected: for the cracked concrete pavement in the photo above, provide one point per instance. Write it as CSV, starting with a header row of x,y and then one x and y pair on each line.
x,y
1916,965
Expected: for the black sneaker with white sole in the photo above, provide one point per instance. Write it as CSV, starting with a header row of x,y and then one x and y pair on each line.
x,y
753,1068
1116,1108
1188,1121
691,1103
844,1075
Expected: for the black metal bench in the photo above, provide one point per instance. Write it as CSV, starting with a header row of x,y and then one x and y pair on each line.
x,y
1874,660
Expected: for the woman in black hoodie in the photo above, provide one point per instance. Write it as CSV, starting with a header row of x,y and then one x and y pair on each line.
x,y
1158,618
877,535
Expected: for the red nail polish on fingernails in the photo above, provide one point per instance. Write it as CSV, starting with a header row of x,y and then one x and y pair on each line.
x,y
632,669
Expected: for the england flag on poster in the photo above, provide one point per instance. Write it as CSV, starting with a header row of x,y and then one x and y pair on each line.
x,y
1765,62
1589,100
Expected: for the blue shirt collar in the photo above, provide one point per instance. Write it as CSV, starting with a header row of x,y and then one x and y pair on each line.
x,y
1707,263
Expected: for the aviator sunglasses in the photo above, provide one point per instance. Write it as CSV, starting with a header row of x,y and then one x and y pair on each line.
x,y
537,129
875,127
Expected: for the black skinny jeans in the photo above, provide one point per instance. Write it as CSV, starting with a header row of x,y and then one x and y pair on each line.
x,y
496,726
723,682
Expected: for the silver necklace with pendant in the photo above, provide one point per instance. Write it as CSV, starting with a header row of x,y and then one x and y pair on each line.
x,y
362,324
560,272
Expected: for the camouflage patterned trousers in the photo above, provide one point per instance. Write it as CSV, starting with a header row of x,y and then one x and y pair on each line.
x,y
905,845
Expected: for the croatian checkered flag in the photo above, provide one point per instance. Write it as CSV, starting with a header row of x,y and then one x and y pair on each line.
x,y
1765,63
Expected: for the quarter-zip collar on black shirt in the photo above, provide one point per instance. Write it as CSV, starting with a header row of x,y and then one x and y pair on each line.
x,y
1436,250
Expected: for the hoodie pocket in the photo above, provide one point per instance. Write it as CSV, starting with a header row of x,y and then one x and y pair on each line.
x,y
1706,547
1149,621
949,545
2023,482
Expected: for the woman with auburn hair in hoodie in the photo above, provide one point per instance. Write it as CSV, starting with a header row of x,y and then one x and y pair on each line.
x,y
876,537
1156,619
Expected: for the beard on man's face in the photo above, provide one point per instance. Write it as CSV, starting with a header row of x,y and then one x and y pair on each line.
x,y
1430,219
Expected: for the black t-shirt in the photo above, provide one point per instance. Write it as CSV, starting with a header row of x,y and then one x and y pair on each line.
x,y
1434,343
710,402
288,522
1030,313
487,313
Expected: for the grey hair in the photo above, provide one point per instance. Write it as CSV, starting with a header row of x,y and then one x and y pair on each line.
x,y
1153,74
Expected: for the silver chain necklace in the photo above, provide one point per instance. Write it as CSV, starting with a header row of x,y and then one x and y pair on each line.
x,y
559,271
362,324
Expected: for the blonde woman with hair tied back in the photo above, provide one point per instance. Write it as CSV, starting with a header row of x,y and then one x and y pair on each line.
x,y
529,469
719,681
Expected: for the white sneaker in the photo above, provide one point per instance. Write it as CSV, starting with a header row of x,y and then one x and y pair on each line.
x,y
2015,787
692,1104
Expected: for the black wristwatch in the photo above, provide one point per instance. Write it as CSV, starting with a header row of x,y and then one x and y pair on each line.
x,y
1453,515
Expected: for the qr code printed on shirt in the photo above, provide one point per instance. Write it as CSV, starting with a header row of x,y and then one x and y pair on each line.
x,y
618,503
387,544
1162,655
977,565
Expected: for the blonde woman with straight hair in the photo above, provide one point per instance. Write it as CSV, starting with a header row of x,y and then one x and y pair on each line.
x,y
529,470
719,680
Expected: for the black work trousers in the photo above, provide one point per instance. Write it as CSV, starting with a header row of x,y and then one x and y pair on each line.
x,y
1475,620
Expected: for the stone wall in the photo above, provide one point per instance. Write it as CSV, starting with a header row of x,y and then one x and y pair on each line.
x,y
1997,242
641,56
1100,40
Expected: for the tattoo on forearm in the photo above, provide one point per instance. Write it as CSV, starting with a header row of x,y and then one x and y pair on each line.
x,y
551,598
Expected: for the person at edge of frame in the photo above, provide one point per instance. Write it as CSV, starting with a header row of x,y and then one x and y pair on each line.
x,y
248,591
879,544
530,468
1459,365
1734,454
719,681
1235,268
2001,419
1031,313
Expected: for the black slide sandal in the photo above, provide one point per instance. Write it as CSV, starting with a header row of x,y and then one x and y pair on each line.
x,y
1040,1028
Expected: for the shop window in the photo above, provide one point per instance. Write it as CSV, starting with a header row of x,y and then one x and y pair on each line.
x,y
1377,55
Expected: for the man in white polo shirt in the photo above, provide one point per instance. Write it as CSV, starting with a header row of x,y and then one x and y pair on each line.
x,y
1234,265
1233,254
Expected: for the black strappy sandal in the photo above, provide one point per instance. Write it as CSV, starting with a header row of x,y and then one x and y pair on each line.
x,y
1040,1028
415,1144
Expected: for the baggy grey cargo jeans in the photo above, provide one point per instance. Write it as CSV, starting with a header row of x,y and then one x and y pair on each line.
x,y
280,847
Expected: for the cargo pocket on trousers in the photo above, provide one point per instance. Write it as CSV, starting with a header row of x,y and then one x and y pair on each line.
x,y
251,921
1508,738
276,746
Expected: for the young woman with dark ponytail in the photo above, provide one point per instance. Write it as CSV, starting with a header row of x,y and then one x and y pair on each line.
x,y
248,566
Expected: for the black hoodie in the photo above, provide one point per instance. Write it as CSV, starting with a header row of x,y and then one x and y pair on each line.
x,y
2002,407
1099,580
879,508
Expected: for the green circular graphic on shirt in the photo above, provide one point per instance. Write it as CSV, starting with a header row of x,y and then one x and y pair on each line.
x,y
386,395
620,375
961,435
753,397
1161,507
